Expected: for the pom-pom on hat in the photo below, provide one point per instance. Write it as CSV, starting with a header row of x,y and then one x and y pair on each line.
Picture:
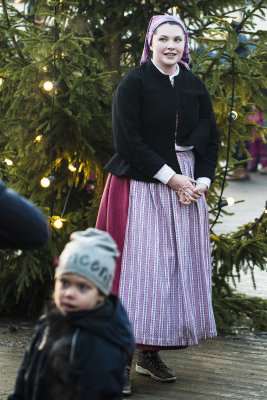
x,y
91,254
154,23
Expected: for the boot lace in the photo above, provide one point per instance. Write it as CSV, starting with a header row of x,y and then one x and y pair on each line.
x,y
155,361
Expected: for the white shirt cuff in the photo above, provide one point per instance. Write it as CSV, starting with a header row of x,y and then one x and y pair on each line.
x,y
165,174
206,181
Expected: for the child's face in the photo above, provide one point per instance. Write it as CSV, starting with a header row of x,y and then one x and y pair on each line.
x,y
75,293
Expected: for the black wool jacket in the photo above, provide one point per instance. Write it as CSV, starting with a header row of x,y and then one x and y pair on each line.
x,y
144,120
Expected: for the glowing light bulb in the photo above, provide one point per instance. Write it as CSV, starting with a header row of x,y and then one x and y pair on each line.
x,y
230,201
72,167
57,223
8,161
38,138
48,86
44,69
90,187
174,10
1,81
46,182
232,116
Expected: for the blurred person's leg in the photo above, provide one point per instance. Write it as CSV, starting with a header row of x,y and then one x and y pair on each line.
x,y
240,171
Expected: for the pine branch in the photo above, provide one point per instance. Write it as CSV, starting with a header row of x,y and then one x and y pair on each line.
x,y
15,43
250,14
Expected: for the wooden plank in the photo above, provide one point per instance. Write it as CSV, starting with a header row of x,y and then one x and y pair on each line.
x,y
225,368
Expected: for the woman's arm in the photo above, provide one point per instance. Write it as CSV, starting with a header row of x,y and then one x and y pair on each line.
x,y
128,141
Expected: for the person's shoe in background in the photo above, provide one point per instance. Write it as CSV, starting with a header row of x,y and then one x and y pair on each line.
x,y
239,174
263,171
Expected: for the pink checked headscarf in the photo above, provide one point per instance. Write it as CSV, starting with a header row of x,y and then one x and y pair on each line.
x,y
154,23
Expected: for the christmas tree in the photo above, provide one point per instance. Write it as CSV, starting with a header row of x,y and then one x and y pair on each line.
x,y
60,63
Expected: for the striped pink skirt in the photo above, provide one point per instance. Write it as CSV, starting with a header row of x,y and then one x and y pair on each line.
x,y
164,274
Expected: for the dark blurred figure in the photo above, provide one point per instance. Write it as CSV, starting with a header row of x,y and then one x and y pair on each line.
x,y
240,172
22,224
257,149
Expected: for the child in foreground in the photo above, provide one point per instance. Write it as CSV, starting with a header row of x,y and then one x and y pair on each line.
x,y
81,344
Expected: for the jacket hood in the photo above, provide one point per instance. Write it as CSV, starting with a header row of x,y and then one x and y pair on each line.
x,y
108,321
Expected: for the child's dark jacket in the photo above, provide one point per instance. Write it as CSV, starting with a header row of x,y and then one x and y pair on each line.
x,y
78,356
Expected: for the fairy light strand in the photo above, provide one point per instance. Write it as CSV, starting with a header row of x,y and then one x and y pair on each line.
x,y
71,187
231,118
51,131
52,111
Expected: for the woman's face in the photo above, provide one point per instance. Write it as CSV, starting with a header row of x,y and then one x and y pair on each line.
x,y
167,47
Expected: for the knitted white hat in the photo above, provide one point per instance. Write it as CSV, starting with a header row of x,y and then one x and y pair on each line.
x,y
92,254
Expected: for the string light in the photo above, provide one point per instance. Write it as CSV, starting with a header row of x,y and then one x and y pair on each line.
x,y
48,86
46,182
174,11
38,138
57,222
1,81
232,116
72,167
228,201
8,161
44,69
90,187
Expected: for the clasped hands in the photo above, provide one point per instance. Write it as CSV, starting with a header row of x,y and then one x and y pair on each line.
x,y
187,192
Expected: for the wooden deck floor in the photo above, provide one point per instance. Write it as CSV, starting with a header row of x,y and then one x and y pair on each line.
x,y
233,368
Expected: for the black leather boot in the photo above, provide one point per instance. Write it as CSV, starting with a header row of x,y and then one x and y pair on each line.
x,y
150,363
127,389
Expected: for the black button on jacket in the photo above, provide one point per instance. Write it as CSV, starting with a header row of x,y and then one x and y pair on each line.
x,y
144,121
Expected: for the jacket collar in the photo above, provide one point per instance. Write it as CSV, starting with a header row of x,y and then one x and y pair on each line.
x,y
154,71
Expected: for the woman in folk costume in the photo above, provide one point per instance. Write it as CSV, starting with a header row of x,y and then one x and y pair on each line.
x,y
154,205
